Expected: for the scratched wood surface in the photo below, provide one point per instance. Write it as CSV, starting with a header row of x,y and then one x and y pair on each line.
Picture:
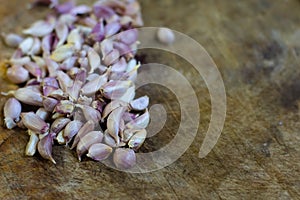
x,y
256,45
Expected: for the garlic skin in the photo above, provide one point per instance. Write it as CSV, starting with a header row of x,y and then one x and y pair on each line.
x,y
12,110
87,141
124,158
17,74
99,151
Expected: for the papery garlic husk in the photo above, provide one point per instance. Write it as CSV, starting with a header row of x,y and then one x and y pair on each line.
x,y
17,74
88,140
113,122
99,151
137,139
59,124
12,110
124,158
42,113
112,106
29,96
34,123
140,122
45,147
71,130
32,144
85,129
140,103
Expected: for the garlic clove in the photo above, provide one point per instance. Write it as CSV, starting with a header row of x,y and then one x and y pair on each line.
x,y
112,28
124,158
99,151
137,139
45,147
115,89
88,140
59,124
12,110
34,123
140,122
85,129
42,113
17,74
71,130
64,107
94,59
112,106
12,40
29,96
32,144
63,52
140,104
112,57
41,28
113,122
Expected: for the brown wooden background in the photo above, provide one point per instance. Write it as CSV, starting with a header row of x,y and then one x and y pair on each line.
x,y
256,45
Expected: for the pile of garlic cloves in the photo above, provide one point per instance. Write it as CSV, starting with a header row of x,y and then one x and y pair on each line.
x,y
76,71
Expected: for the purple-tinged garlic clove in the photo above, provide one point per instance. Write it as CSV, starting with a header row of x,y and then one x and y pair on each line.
x,y
64,107
128,37
165,36
45,147
80,10
97,33
94,59
137,139
111,58
113,122
49,103
26,45
129,95
84,100
48,90
127,116
43,113
124,158
65,7
90,113
61,30
52,67
106,47
12,40
103,12
71,130
85,129
88,140
50,81
34,123
57,94
41,28
20,61
34,69
17,74
29,96
131,65
119,66
64,80
59,124
12,110
32,144
99,151
140,122
139,104
47,44
112,106
110,141
36,47
69,63
115,89
91,87
112,28
63,52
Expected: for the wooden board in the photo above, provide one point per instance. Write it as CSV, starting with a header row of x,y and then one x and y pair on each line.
x,y
256,45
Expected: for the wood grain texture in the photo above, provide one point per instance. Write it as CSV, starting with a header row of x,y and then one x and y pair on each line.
x,y
256,46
